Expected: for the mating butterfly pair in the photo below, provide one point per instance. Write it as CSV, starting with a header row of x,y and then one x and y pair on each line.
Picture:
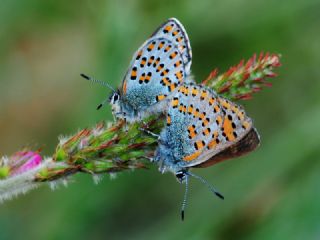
x,y
202,128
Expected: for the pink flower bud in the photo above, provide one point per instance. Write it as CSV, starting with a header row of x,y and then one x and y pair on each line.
x,y
24,161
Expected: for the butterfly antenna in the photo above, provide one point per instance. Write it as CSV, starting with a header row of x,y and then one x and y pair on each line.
x,y
103,103
212,189
92,79
184,202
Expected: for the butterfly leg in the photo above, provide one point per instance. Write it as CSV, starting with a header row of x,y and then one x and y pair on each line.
x,y
162,168
121,115
151,159
150,133
126,128
144,128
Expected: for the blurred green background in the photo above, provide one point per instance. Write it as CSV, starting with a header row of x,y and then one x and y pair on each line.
x,y
272,193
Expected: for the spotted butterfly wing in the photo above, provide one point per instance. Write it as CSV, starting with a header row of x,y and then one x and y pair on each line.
x,y
174,31
191,123
238,131
157,68
200,126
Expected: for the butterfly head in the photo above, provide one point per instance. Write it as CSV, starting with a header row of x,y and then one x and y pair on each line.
x,y
181,175
114,97
115,102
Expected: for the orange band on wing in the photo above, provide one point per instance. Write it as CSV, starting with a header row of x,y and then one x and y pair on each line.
x,y
124,87
174,33
167,48
212,144
150,47
203,95
228,129
178,63
167,29
192,156
246,125
219,120
194,92
168,120
173,86
224,103
211,101
160,97
173,55
160,45
179,75
175,102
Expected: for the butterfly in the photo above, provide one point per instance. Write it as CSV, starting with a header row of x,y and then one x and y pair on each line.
x,y
157,68
201,130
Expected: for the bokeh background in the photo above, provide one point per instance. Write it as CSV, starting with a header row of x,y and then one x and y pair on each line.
x,y
272,193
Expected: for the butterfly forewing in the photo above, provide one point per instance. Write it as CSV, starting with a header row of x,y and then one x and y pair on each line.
x,y
174,31
156,70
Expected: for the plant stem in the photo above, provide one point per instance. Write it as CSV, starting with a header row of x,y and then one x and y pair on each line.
x,y
109,148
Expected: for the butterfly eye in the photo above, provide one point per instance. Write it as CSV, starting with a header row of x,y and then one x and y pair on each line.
x,y
114,97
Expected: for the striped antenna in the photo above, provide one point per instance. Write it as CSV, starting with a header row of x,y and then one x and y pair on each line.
x,y
92,79
184,202
212,189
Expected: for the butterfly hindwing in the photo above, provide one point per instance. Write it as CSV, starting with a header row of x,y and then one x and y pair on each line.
x,y
236,123
156,70
201,125
233,126
192,127
238,134
246,144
